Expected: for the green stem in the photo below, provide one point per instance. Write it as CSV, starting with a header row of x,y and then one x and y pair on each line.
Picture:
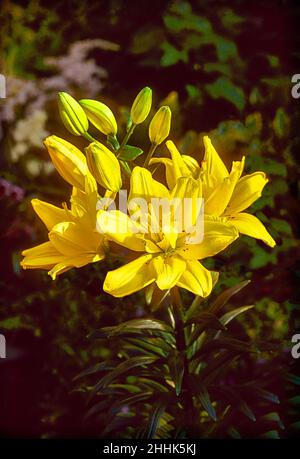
x,y
186,395
150,154
126,138
88,137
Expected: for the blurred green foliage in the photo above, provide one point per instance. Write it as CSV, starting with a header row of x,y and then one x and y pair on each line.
x,y
223,69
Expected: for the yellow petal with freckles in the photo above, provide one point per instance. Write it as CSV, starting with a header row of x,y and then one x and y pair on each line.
x,y
250,225
168,271
197,279
217,236
130,278
118,227
248,189
215,166
49,214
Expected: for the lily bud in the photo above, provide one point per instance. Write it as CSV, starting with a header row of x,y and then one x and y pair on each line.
x,y
68,160
141,106
100,115
159,127
104,166
72,114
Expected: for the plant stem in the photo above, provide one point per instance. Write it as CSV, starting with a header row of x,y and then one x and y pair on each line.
x,y
150,154
190,415
126,138
88,137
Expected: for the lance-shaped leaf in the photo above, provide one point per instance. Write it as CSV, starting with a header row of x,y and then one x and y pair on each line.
x,y
176,367
155,416
225,296
139,326
130,153
206,403
226,318
121,369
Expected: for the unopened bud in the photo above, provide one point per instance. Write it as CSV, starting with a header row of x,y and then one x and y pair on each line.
x,y
141,106
159,127
72,114
104,166
100,115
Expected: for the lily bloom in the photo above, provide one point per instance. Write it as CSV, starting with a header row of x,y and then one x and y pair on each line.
x,y
226,194
166,256
73,241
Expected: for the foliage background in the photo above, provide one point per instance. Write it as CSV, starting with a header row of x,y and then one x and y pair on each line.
x,y
225,69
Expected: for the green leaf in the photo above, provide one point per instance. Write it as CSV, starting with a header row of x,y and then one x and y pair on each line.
x,y
229,316
267,395
154,346
155,417
172,55
295,400
176,366
274,417
206,320
130,153
224,88
281,123
121,369
226,295
206,403
234,433
135,326
293,379
11,323
271,434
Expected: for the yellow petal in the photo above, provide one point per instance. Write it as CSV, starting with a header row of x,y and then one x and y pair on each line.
x,y
248,189
143,185
196,278
68,160
168,271
41,256
130,278
49,214
73,262
71,239
213,162
170,177
192,164
118,227
220,197
188,193
250,225
180,168
218,234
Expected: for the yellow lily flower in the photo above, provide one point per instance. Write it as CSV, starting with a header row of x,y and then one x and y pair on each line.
x,y
226,194
68,161
104,166
167,258
73,241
